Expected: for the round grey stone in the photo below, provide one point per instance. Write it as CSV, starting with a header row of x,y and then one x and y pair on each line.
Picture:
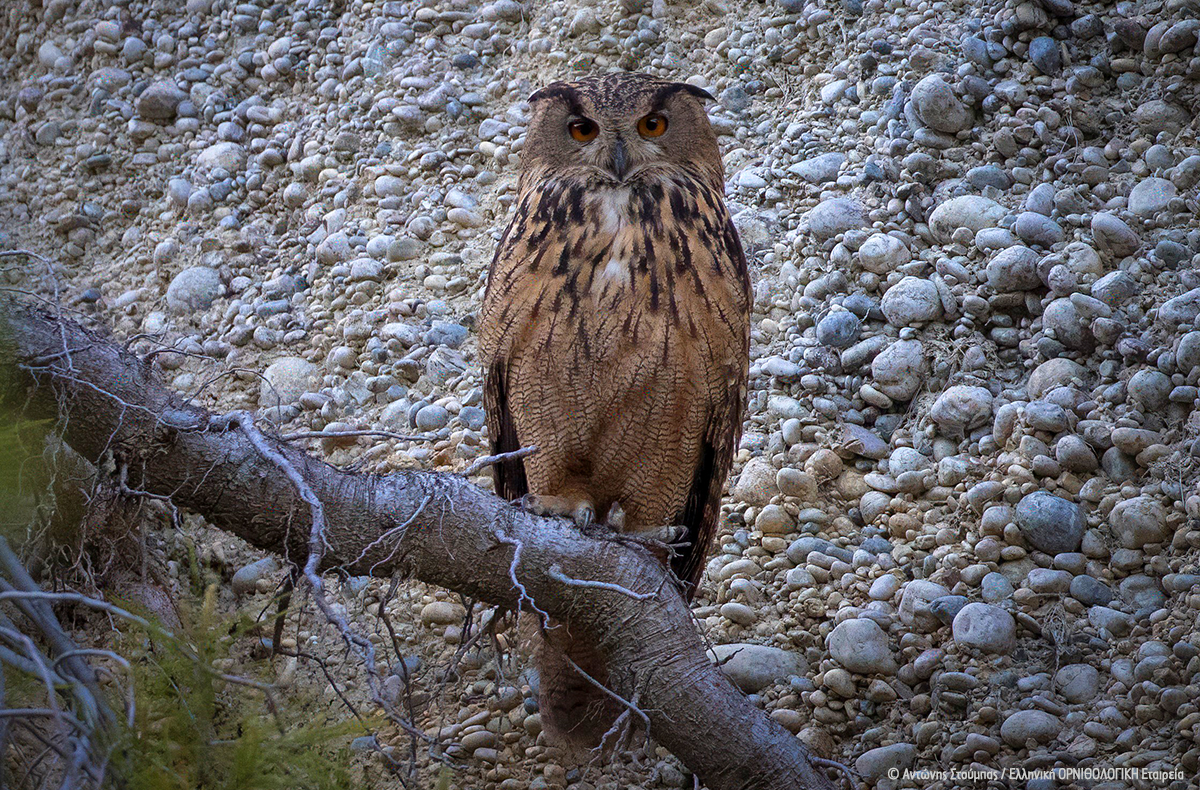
x,y
1150,389
915,602
1113,236
1045,54
961,408
995,588
1070,327
195,288
899,369
1027,725
1050,523
1090,591
1077,683
751,666
1151,196
860,645
159,101
472,417
911,302
1014,269
839,329
245,580
431,418
882,253
1187,353
1035,228
286,379
938,107
946,607
966,211
833,216
1138,521
1075,454
878,763
985,627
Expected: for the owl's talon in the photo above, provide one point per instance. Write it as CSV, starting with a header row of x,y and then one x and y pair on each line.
x,y
583,515
615,519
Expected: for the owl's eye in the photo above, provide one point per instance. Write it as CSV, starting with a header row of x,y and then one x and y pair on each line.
x,y
652,125
583,130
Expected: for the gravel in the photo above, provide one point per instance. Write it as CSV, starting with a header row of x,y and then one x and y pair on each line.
x,y
970,446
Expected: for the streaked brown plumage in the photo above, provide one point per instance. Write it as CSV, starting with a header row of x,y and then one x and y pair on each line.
x,y
615,329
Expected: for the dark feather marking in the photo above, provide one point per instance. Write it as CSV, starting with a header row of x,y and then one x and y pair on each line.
x,y
537,259
591,270
671,301
733,246
685,252
679,210
545,205
536,310
654,291
575,199
564,262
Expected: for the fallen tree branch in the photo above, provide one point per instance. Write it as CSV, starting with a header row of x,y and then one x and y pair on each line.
x,y
453,535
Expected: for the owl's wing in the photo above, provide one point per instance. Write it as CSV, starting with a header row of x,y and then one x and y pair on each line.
x,y
730,334
509,475
495,332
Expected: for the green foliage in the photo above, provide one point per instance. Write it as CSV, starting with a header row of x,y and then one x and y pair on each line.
x,y
22,471
195,731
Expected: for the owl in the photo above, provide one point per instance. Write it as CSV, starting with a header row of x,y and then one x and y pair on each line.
x,y
615,335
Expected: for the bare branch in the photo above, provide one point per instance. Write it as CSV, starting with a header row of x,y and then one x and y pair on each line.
x,y
291,437
649,646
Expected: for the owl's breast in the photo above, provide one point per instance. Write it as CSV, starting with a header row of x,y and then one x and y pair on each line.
x,y
587,268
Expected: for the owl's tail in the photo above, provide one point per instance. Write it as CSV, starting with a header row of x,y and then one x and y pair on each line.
x,y
575,714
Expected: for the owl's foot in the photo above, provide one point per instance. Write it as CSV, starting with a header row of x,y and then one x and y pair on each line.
x,y
578,509
668,536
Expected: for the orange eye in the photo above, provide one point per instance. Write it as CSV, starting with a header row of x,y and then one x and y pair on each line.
x,y
653,125
583,130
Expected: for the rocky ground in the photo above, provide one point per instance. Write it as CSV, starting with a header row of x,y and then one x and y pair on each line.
x,y
964,529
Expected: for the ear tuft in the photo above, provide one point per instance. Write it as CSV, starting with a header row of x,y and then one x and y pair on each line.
x,y
699,93
555,89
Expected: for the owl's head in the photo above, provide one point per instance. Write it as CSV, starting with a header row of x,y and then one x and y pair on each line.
x,y
620,127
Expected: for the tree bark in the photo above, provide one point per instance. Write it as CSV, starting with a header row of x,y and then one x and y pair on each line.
x,y
437,527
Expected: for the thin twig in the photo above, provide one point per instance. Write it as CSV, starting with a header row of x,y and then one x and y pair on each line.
x,y
512,575
488,460
557,574
610,693
848,773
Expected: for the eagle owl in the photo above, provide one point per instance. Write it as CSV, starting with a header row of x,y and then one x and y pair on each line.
x,y
615,335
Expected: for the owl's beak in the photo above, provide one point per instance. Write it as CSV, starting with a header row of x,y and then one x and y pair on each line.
x,y
618,161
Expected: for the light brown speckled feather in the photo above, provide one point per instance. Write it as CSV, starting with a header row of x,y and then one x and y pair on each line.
x,y
615,337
